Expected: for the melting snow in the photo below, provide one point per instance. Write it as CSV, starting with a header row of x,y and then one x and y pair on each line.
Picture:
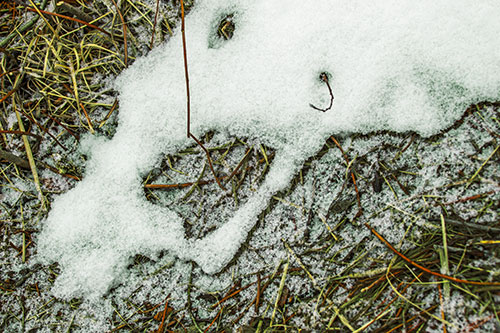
x,y
396,65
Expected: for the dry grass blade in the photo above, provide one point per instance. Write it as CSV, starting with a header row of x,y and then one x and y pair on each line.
x,y
209,161
12,158
88,118
280,291
447,277
154,24
21,133
215,318
163,316
442,307
360,209
124,29
41,11
31,160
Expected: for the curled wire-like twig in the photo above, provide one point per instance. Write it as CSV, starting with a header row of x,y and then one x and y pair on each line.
x,y
324,77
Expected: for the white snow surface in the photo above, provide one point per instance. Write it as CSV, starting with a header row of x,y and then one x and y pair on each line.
x,y
399,65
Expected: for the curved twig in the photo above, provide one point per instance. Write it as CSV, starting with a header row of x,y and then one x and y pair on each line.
x,y
324,77
447,277
186,74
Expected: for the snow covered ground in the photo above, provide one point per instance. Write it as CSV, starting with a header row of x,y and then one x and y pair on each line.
x,y
394,65
401,72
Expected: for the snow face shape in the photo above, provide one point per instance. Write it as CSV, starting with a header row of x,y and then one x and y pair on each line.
x,y
398,65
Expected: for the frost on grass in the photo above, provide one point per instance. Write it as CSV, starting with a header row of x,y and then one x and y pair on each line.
x,y
396,65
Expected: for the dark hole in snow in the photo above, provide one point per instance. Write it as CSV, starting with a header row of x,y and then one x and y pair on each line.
x,y
226,27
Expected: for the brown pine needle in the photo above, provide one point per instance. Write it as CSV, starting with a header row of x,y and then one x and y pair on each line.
x,y
7,95
442,307
67,18
113,108
55,170
124,28
234,293
235,171
180,185
201,182
160,329
383,311
154,24
42,128
473,326
9,72
88,118
213,321
209,161
413,318
21,133
257,298
447,277
473,197
76,136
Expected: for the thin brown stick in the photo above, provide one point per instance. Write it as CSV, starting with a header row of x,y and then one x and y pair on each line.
x,y
186,74
447,277
68,18
113,108
88,118
154,24
42,128
442,307
21,133
209,161
76,136
235,171
381,313
257,298
160,329
213,321
9,94
124,28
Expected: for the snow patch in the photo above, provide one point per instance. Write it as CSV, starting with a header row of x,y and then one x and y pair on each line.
x,y
396,65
